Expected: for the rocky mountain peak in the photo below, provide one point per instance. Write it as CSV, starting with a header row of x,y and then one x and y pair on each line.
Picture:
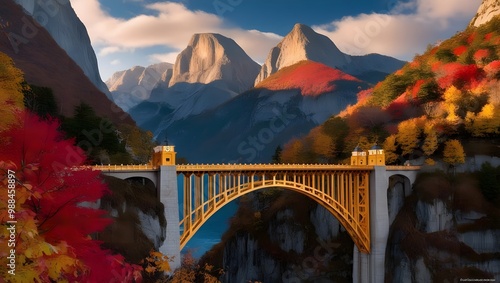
x,y
62,23
487,10
212,57
302,43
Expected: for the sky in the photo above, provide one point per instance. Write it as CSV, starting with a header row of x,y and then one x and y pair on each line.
x,y
127,33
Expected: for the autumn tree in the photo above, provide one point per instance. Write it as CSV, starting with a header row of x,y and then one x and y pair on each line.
x,y
453,153
11,90
293,152
408,136
53,209
322,144
390,148
140,142
485,123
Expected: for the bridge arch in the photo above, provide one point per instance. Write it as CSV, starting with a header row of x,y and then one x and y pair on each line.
x,y
344,194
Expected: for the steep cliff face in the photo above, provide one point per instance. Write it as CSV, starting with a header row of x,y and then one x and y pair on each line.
x,y
286,238
45,63
487,10
62,23
139,222
446,230
212,57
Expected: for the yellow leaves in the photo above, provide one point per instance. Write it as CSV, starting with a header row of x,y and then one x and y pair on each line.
x,y
408,135
157,262
61,264
390,149
486,122
452,95
453,152
11,96
27,274
39,249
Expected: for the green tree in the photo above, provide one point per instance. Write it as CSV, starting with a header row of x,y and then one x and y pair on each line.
x,y
276,159
94,134
41,101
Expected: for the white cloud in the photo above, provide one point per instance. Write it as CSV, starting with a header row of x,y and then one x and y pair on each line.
x,y
404,31
115,62
165,57
169,24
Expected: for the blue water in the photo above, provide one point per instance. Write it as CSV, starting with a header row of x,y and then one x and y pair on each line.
x,y
211,232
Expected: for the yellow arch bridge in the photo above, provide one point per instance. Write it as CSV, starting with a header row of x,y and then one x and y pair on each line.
x,y
354,194
342,190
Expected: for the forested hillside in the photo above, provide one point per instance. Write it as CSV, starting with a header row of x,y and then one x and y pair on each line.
x,y
448,97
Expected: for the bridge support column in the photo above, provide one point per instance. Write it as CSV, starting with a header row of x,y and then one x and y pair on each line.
x,y
371,267
168,195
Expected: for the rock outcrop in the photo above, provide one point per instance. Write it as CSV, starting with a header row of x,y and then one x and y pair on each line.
x,y
212,57
487,10
62,23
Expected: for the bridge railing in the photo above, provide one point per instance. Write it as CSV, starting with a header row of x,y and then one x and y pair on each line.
x,y
132,167
265,166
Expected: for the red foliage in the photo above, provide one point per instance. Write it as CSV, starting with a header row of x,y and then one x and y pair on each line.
x,y
310,77
481,54
45,161
468,76
416,88
364,95
488,36
492,68
397,108
459,50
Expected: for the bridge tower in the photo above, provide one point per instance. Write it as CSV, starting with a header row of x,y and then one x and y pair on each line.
x,y
163,155
164,160
376,156
358,156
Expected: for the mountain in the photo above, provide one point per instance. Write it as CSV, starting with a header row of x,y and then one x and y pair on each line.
x,y
303,43
212,57
45,63
487,10
62,23
130,87
250,126
211,70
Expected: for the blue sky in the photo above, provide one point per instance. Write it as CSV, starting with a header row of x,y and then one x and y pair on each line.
x,y
126,33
